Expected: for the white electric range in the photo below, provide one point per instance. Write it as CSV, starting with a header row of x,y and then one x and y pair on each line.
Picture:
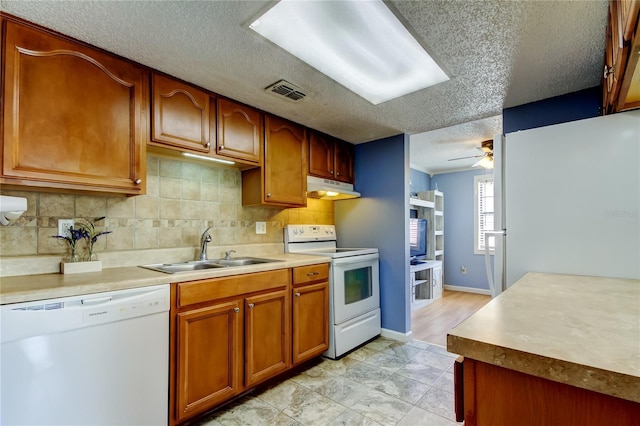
x,y
354,285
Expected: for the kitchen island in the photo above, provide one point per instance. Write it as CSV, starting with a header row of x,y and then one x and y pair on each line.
x,y
552,349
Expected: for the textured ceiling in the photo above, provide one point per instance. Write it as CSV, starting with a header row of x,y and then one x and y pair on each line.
x,y
497,53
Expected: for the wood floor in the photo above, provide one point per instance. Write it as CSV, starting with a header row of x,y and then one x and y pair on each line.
x,y
432,322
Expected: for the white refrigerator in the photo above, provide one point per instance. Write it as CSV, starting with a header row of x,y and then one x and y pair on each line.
x,y
567,200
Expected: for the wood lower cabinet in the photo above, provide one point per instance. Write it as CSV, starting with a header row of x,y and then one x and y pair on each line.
x,y
180,115
310,312
73,117
240,131
282,181
496,396
227,335
267,336
209,355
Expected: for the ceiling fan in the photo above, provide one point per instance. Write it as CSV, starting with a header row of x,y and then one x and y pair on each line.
x,y
486,158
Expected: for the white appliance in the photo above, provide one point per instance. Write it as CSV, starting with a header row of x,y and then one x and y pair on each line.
x,y
567,199
354,285
99,359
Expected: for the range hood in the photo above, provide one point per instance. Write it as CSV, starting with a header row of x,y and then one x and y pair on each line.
x,y
326,189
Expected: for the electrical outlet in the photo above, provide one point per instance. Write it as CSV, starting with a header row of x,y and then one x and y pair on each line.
x,y
63,226
261,227
463,269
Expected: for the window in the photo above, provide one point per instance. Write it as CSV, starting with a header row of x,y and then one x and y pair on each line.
x,y
483,217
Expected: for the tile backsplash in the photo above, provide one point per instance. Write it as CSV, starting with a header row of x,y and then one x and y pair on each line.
x,y
183,199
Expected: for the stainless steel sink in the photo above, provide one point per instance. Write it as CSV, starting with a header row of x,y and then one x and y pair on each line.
x,y
243,261
198,265
171,268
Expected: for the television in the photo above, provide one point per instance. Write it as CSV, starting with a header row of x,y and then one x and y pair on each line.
x,y
417,238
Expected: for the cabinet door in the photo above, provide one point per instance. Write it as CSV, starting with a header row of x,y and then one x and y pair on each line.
x,y
310,321
209,357
321,155
267,336
180,115
240,131
73,117
285,168
344,162
436,282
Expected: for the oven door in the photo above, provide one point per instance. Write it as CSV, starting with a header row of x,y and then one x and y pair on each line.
x,y
355,286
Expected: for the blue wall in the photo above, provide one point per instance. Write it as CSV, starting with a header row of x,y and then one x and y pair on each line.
x,y
379,219
458,191
560,109
419,181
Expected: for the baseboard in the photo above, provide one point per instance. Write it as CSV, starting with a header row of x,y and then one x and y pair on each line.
x,y
395,335
467,289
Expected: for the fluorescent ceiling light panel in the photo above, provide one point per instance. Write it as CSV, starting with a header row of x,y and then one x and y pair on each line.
x,y
360,44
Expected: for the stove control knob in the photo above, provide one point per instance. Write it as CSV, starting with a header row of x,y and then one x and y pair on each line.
x,y
295,231
301,231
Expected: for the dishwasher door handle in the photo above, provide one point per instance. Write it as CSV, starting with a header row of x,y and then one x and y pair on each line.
x,y
96,300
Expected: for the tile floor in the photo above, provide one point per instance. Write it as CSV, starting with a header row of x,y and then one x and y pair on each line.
x,y
385,382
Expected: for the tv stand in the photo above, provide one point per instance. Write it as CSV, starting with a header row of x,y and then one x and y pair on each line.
x,y
426,282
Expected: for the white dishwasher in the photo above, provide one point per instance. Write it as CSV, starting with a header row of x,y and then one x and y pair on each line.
x,y
99,359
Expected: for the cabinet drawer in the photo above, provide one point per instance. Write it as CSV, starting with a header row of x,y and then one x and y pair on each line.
x,y
201,291
311,273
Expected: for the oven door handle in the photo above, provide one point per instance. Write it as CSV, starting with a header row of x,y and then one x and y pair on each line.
x,y
355,259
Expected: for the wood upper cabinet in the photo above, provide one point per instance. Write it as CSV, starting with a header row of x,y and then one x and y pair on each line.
x,y
267,336
621,78
310,312
240,131
73,117
209,357
330,158
180,115
282,181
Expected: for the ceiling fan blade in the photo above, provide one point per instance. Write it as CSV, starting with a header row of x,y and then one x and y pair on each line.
x,y
471,156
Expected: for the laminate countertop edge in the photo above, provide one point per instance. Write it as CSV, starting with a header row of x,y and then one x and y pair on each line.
x,y
28,288
581,331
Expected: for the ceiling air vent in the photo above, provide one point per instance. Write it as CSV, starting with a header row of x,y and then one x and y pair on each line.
x,y
286,89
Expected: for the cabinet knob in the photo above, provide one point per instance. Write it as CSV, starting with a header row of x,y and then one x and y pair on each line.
x,y
207,145
297,294
330,171
236,309
337,173
138,181
268,195
221,147
251,305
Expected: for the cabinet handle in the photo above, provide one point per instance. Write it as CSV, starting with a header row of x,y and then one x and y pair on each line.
x,y
337,173
330,171
297,294
250,305
207,145
311,274
236,309
138,181
221,147
608,71
268,195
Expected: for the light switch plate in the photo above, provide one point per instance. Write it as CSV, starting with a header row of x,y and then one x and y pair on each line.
x,y
261,227
63,226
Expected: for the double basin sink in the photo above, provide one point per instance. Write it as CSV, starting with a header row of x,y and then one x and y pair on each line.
x,y
199,265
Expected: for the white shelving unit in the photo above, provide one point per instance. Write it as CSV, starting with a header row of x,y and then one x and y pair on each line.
x,y
427,278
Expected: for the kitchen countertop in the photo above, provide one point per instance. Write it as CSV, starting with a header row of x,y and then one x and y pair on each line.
x,y
27,288
578,330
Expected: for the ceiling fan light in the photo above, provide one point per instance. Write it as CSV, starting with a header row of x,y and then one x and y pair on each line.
x,y
485,162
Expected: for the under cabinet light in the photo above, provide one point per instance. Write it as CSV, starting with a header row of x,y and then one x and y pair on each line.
x,y
202,157
360,44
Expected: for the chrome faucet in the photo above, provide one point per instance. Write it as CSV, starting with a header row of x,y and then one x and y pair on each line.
x,y
227,254
204,239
